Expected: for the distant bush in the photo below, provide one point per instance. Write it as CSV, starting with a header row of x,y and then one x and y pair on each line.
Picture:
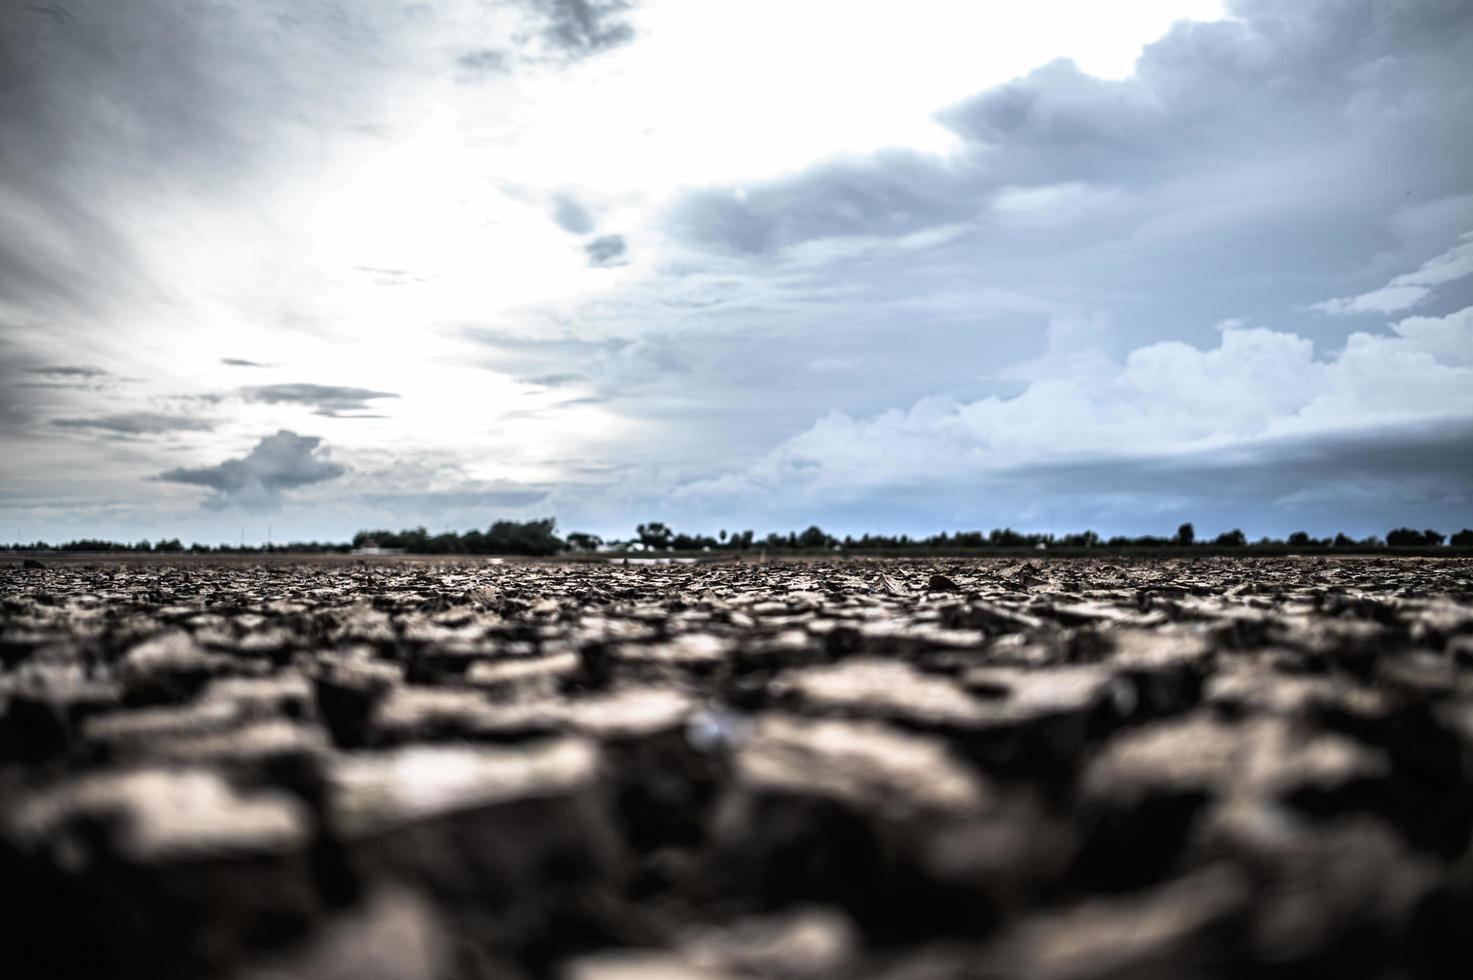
x,y
528,538
502,538
539,537
1405,537
654,535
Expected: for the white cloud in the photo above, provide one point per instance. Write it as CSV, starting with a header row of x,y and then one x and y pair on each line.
x,y
1411,288
1163,400
1387,299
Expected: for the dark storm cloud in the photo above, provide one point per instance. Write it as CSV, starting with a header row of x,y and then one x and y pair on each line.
x,y
62,377
28,391
1354,482
607,250
1401,461
329,400
890,193
584,27
67,371
138,423
1218,112
571,216
280,462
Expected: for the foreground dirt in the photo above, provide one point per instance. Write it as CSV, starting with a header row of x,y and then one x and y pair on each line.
x,y
866,769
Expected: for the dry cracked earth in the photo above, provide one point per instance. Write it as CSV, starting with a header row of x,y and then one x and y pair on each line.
x,y
890,770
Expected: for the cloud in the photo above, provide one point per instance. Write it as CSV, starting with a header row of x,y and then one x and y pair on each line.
x,y
555,380
439,501
1411,288
242,362
1222,130
133,99
332,401
484,61
382,276
139,423
209,106
68,371
606,251
1165,407
280,462
580,28
1385,462
571,216
1362,482
1387,299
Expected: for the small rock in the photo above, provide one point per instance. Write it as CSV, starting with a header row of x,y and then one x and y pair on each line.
x,y
395,935
941,583
844,812
175,874
478,828
1190,927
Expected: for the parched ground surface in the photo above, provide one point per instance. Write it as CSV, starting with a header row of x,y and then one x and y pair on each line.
x,y
849,769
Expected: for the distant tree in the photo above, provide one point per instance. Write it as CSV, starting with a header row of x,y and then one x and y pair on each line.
x,y
1186,534
1343,540
1462,539
1406,537
1403,537
1007,538
448,543
693,542
581,541
171,546
1231,539
721,536
654,535
814,537
524,538
1300,539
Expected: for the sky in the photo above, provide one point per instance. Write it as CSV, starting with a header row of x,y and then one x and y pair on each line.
x,y
302,268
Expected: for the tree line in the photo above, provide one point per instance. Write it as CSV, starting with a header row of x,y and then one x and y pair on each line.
x,y
540,537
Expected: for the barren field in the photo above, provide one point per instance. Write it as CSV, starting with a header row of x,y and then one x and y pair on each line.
x,y
849,769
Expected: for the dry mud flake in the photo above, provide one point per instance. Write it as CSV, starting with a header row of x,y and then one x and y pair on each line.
x,y
835,769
